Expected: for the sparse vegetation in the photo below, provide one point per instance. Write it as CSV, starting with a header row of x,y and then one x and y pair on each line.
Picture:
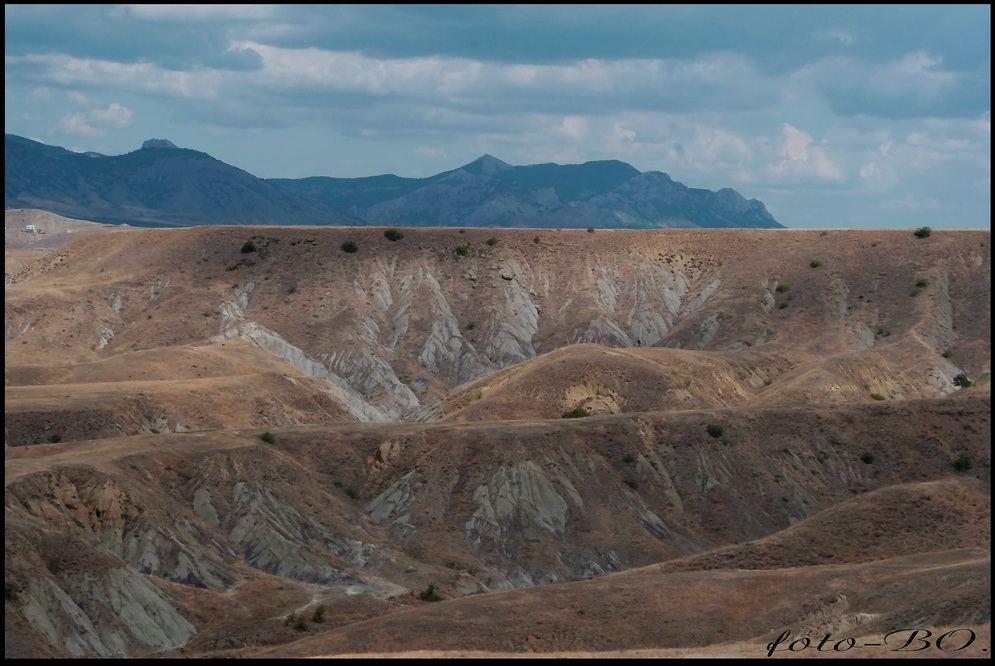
x,y
882,331
578,413
947,353
10,590
462,250
878,396
248,246
319,614
922,232
629,481
922,284
267,437
292,289
351,491
815,263
429,594
867,458
55,438
393,234
53,564
535,239
470,326
492,241
628,458
781,288
963,462
590,230
962,381
349,246
783,305
715,430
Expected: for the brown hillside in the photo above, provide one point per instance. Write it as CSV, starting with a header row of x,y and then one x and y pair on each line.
x,y
205,445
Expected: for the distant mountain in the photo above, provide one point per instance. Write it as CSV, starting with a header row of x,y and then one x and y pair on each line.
x,y
490,193
157,185
163,185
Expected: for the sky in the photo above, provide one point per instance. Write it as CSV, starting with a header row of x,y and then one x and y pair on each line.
x,y
834,116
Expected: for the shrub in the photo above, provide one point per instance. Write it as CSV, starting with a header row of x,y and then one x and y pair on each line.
x,y
492,241
815,263
319,614
628,458
781,288
535,239
292,289
54,564
629,481
877,396
947,353
922,232
248,246
301,624
883,331
867,457
462,250
267,437
55,438
470,326
715,430
349,246
783,305
922,283
10,590
393,234
963,462
351,491
430,594
578,413
590,230
962,381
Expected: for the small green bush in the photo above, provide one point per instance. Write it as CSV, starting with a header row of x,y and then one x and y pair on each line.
x,y
877,396
430,594
922,284
882,331
783,305
578,413
267,437
947,353
492,241
462,250
54,564
292,289
781,288
349,246
393,234
963,462
715,430
351,491
590,230
319,614
962,381
629,481
815,263
55,438
628,458
535,239
470,326
922,232
248,246
867,457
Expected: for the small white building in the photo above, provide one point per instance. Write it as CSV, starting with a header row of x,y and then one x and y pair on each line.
x,y
30,228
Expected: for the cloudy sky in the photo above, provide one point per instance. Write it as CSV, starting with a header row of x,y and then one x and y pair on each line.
x,y
832,115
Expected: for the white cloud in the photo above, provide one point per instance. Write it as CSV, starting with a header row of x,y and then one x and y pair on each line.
x,y
77,72
78,98
911,203
801,158
195,12
95,122
429,151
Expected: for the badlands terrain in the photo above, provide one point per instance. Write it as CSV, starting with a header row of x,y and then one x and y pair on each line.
x,y
248,442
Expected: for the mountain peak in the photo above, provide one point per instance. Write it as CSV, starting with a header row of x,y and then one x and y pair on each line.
x,y
159,143
487,165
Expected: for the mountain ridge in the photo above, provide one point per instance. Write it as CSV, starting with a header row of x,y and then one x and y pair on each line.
x,y
161,184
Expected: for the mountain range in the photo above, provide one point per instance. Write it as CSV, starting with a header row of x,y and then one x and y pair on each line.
x,y
162,185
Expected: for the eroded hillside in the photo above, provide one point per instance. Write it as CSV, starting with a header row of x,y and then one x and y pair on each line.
x,y
211,433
